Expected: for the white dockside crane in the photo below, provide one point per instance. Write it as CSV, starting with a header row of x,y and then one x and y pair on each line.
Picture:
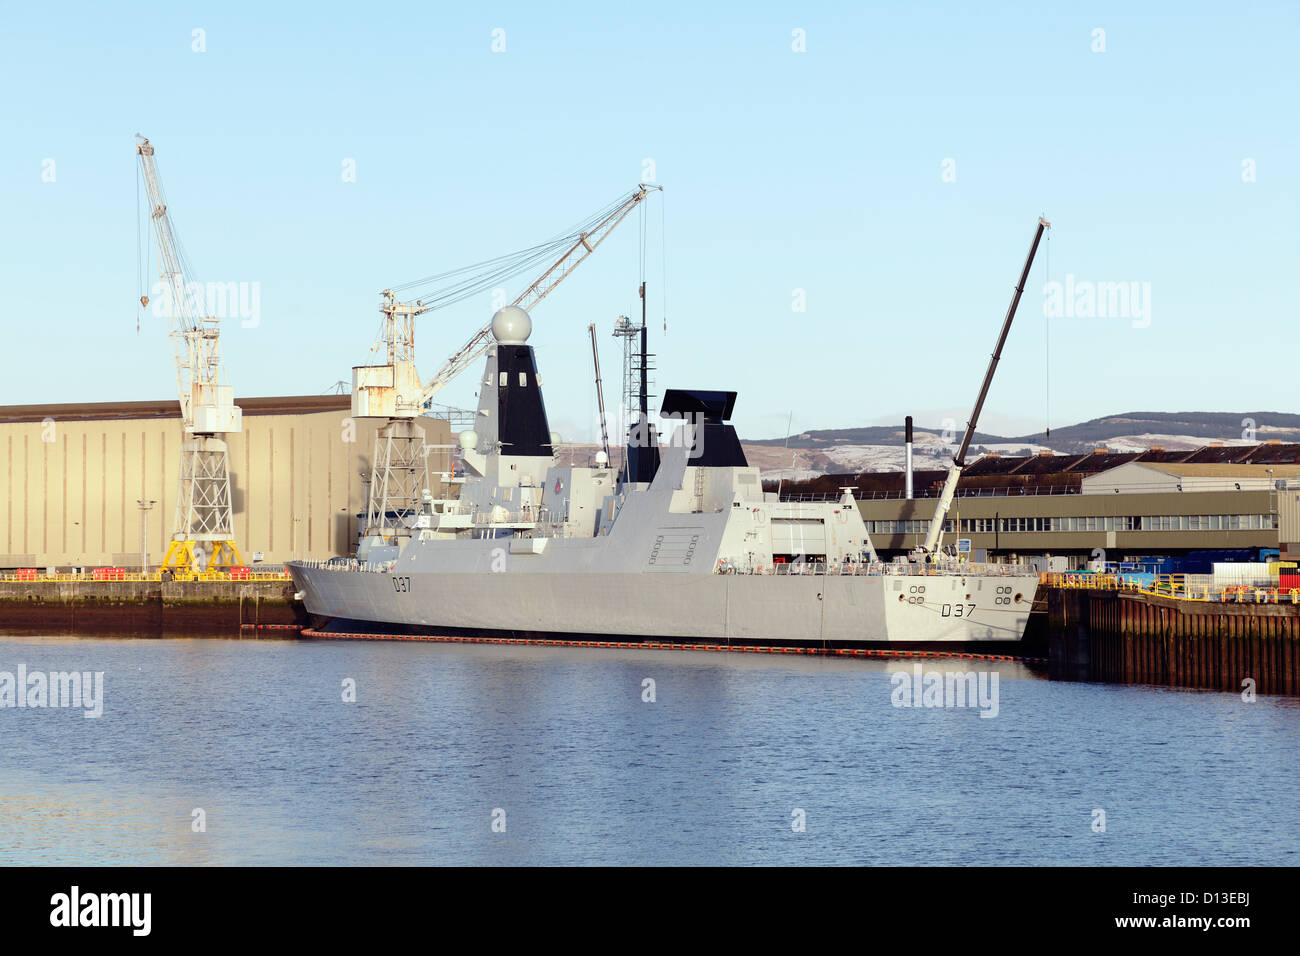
x,y
395,391
203,533
935,535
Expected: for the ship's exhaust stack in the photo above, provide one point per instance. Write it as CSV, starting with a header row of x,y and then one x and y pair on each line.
x,y
642,452
907,457
715,443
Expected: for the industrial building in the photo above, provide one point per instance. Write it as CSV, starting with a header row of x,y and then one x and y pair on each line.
x,y
1129,505
72,478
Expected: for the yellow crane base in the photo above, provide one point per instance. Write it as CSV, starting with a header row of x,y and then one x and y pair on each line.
x,y
183,556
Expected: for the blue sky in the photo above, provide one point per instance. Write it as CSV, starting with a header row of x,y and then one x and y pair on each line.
x,y
819,170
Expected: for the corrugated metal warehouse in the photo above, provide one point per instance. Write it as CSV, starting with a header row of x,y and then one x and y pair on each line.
x,y
71,477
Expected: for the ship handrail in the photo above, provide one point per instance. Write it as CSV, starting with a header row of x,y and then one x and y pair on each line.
x,y
877,569
1006,491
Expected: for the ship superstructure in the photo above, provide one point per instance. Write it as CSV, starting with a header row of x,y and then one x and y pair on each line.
x,y
525,544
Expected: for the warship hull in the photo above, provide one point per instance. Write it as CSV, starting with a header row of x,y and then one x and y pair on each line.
x,y
780,608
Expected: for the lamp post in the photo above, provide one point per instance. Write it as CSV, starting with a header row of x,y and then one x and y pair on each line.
x,y
144,534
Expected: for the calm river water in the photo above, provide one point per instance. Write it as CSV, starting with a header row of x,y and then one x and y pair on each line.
x,y
559,749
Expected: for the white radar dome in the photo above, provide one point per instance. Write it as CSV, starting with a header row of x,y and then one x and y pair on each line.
x,y
601,459
556,440
468,439
511,326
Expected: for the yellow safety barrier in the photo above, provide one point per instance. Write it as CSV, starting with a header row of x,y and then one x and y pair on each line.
x,y
1173,586
153,576
1080,579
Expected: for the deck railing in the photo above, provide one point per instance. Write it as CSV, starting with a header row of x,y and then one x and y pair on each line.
x,y
878,569
1008,491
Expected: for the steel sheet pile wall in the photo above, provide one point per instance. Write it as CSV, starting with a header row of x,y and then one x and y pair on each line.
x,y
87,607
1142,639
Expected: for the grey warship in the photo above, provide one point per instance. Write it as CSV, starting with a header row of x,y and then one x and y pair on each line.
x,y
679,543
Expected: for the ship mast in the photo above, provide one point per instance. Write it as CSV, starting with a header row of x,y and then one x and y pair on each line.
x,y
935,534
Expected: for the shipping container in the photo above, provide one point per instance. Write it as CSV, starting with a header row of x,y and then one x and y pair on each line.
x,y
1236,573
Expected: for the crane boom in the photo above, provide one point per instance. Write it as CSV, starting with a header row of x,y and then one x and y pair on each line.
x,y
959,462
203,532
195,338
584,246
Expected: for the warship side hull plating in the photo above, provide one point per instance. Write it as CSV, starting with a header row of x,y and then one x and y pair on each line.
x,y
740,607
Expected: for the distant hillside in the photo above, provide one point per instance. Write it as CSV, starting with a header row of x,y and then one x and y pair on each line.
x,y
1202,427
855,451
872,435
879,448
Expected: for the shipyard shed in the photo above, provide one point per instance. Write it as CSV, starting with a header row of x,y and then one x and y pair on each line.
x,y
1142,477
71,476
1126,504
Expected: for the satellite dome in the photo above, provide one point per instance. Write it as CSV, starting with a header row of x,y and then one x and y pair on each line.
x,y
511,326
468,439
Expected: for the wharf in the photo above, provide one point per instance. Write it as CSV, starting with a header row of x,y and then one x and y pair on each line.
x,y
1129,636
143,604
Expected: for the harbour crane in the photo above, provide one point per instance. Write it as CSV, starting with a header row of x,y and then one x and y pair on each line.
x,y
584,245
203,531
935,533
395,391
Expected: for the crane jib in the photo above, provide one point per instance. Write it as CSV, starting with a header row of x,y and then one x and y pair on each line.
x,y
586,243
935,532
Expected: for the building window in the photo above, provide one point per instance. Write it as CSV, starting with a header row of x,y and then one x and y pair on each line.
x,y
1077,523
